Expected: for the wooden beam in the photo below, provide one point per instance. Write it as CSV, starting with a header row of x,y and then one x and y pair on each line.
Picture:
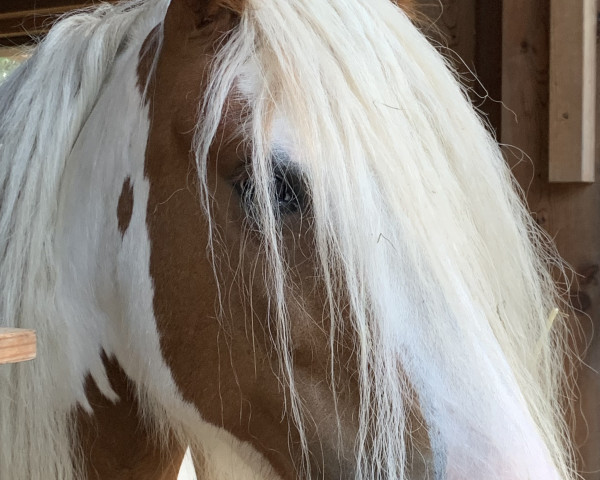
x,y
17,345
21,20
572,90
16,42
34,5
29,23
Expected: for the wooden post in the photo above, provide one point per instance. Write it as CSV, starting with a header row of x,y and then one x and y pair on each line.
x,y
17,345
572,90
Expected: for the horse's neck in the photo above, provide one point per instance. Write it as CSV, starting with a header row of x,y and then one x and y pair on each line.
x,y
116,443
104,289
96,262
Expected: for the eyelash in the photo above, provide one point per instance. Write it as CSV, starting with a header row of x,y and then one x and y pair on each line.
x,y
287,188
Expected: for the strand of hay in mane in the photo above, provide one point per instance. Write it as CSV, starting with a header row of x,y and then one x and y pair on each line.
x,y
550,322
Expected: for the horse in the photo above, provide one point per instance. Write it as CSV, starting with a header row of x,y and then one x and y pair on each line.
x,y
277,232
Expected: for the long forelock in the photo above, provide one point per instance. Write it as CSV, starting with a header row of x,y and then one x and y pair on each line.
x,y
413,210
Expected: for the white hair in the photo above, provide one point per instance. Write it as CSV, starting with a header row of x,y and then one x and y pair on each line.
x,y
416,218
415,209
44,105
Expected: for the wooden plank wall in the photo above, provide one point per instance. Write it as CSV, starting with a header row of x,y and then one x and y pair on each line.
x,y
470,31
507,43
570,212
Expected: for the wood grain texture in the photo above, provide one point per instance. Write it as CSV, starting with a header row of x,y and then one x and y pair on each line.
x,y
22,20
32,5
470,35
570,213
28,24
488,62
451,23
572,90
17,345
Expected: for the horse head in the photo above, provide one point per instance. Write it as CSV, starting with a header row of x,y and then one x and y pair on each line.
x,y
266,226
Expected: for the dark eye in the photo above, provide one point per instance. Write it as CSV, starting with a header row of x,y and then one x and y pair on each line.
x,y
245,189
287,189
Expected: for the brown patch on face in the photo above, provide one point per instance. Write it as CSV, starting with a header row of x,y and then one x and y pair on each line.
x,y
125,206
227,365
207,9
204,14
237,6
234,391
409,7
114,442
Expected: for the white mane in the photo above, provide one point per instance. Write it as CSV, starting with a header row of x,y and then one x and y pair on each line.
x,y
43,108
414,208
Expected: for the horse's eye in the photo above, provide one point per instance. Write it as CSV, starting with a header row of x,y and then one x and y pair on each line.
x,y
245,189
287,188
287,193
